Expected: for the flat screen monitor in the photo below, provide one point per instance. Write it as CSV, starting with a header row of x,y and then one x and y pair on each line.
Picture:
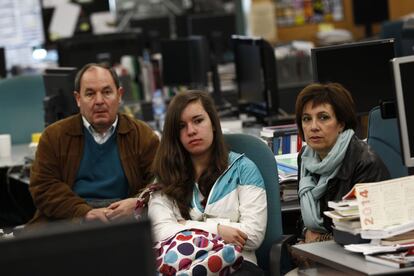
x,y
256,76
152,30
403,68
59,101
217,28
122,248
185,62
367,12
109,48
362,67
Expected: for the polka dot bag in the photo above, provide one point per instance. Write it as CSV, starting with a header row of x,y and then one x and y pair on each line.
x,y
196,252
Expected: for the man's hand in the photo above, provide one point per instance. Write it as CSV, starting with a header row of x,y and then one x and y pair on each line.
x,y
122,209
97,214
232,235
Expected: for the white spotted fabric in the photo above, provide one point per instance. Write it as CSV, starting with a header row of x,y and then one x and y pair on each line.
x,y
196,252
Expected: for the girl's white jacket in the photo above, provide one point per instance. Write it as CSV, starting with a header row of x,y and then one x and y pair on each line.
x,y
237,199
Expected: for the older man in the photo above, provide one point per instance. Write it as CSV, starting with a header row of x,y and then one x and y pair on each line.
x,y
88,165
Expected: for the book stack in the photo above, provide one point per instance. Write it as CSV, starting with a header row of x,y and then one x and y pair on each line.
x,y
352,226
404,238
385,207
287,167
398,259
282,139
345,216
398,256
289,191
386,217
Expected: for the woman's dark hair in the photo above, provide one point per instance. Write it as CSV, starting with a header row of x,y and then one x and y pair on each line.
x,y
173,167
85,68
332,93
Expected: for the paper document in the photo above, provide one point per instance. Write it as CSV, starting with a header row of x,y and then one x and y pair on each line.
x,y
53,3
103,22
373,247
288,160
64,20
386,203
262,20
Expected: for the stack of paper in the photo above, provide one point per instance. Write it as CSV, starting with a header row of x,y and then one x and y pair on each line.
x,y
287,167
404,238
373,248
397,259
345,216
289,191
387,218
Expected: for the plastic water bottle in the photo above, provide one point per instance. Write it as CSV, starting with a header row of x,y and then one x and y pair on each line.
x,y
158,106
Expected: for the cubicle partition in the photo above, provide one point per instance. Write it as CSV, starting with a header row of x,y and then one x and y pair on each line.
x,y
21,105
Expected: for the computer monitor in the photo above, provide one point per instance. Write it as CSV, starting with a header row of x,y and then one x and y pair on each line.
x,y
152,30
256,76
59,101
367,12
3,70
217,28
185,61
121,248
362,67
109,48
403,69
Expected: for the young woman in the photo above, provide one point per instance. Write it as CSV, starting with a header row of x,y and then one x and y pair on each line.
x,y
334,158
204,186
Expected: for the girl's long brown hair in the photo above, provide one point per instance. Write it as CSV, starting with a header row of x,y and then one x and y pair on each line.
x,y
173,166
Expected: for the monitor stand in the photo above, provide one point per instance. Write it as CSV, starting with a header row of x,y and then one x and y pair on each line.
x,y
50,106
224,108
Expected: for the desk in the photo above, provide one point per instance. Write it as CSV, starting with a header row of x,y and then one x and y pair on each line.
x,y
16,205
20,178
333,255
19,152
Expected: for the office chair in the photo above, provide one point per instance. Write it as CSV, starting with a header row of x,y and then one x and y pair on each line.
x,y
21,105
383,137
271,255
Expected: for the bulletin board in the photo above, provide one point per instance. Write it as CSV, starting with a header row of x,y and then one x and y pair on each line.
x,y
301,12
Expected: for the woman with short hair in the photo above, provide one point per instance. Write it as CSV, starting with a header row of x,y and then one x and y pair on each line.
x,y
334,158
